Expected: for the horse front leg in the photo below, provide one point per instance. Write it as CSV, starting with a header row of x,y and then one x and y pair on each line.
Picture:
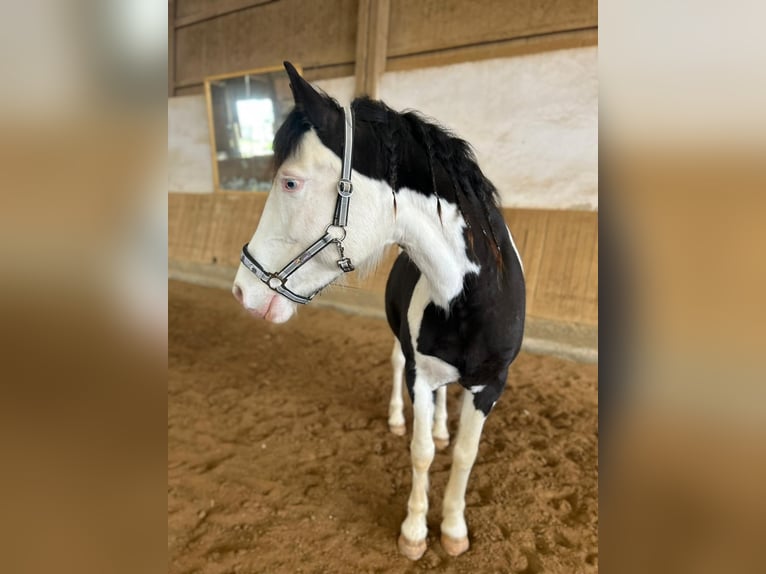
x,y
396,406
454,532
412,541
440,432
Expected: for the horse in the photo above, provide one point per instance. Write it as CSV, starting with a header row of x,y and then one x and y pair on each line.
x,y
350,182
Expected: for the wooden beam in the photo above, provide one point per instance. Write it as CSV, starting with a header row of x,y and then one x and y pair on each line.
x,y
217,9
307,33
379,45
371,45
312,74
362,26
501,49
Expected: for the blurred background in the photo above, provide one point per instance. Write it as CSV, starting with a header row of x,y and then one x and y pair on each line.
x,y
83,308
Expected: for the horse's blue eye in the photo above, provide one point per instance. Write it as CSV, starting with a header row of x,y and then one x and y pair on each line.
x,y
291,184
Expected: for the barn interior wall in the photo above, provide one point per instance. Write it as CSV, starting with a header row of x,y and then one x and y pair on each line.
x,y
532,120
209,37
516,79
190,158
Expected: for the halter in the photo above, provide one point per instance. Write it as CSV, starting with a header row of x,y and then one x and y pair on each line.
x,y
335,232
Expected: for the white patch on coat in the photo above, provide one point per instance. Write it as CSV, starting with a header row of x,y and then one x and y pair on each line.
x,y
437,247
431,370
477,388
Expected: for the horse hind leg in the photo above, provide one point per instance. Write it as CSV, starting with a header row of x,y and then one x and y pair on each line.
x,y
454,532
440,432
396,406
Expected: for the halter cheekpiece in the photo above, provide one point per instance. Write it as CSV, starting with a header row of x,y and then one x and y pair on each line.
x,y
335,232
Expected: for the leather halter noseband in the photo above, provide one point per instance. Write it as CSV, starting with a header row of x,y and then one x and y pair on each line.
x,y
335,232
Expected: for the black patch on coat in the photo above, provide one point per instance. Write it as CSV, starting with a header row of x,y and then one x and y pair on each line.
x,y
401,283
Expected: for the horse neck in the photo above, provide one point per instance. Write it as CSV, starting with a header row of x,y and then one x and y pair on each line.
x,y
436,246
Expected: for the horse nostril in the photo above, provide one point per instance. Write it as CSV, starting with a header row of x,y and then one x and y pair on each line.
x,y
237,292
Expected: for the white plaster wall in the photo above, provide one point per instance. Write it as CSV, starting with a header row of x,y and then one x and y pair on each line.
x,y
190,164
533,120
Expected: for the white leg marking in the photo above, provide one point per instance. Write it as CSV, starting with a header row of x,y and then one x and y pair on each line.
x,y
440,432
463,457
395,407
414,529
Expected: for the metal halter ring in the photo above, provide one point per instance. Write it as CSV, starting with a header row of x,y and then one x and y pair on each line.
x,y
336,239
272,282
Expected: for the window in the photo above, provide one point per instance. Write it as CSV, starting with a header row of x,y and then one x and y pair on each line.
x,y
256,123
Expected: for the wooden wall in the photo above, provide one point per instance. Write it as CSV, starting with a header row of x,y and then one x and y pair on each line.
x,y
208,37
559,250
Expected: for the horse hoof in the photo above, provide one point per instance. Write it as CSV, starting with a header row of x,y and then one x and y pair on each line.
x,y
441,443
410,549
398,430
454,546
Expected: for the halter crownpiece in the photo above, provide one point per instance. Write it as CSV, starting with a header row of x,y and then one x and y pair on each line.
x,y
335,232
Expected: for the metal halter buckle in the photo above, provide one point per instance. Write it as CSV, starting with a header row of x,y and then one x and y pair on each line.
x,y
345,188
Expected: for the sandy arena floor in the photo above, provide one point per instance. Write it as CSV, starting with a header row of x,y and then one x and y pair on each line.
x,y
280,459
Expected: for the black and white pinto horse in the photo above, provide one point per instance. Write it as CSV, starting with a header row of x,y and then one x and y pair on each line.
x,y
455,298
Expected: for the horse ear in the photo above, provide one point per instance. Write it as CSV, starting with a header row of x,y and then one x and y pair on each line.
x,y
320,109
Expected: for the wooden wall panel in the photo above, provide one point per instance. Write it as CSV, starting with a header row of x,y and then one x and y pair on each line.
x,y
561,288
196,89
211,228
511,48
311,34
185,8
209,37
559,250
192,11
431,25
